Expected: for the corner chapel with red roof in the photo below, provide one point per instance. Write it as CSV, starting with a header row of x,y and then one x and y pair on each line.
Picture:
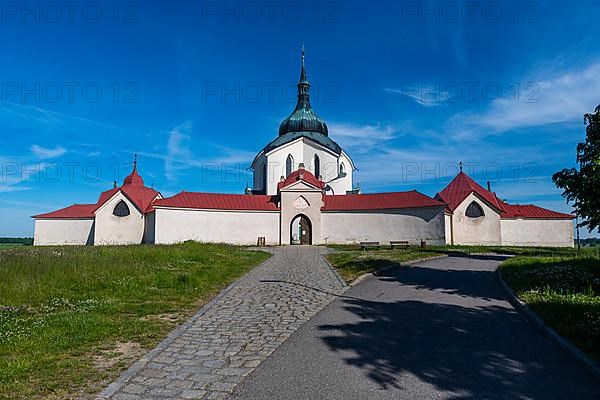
x,y
303,194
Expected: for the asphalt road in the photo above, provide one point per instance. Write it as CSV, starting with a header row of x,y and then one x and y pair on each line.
x,y
440,329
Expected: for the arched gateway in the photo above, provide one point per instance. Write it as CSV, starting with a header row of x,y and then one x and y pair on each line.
x,y
301,230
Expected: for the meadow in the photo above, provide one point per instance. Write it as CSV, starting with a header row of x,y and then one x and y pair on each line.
x,y
72,318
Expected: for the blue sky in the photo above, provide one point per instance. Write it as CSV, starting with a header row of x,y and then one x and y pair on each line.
x,y
408,88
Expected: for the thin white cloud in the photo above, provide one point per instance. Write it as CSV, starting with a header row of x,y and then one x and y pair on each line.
x,y
423,94
363,138
178,154
551,100
44,152
180,157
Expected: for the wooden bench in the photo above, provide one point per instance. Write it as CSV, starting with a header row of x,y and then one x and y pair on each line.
x,y
403,244
369,245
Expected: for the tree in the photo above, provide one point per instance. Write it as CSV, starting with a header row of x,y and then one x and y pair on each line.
x,y
582,187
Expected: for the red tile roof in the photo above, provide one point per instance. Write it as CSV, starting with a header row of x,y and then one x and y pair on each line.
x,y
76,211
133,188
219,201
379,201
530,211
461,187
301,174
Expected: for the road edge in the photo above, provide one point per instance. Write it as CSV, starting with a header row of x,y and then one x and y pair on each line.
x,y
403,263
591,366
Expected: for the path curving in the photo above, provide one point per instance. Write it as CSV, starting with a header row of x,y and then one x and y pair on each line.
x,y
229,337
439,329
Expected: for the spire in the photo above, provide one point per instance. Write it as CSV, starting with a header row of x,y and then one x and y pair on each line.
x,y
303,71
134,178
303,85
303,119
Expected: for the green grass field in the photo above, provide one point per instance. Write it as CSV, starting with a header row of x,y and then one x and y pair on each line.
x,y
71,318
564,292
9,245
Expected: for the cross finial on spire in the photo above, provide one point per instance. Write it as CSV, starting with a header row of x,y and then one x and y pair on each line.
x,y
303,79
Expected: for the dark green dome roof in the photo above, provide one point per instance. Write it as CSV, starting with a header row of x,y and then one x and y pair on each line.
x,y
303,119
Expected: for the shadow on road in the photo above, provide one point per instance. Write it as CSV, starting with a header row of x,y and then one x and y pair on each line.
x,y
478,350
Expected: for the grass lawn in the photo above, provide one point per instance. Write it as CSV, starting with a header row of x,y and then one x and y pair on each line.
x,y
71,318
564,292
9,245
351,262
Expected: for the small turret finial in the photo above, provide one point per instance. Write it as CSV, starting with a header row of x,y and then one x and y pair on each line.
x,y
114,184
460,165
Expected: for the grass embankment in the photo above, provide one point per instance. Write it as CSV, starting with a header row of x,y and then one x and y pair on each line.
x,y
351,262
71,318
564,292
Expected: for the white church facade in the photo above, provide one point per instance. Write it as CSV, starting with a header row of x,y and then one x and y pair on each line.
x,y
303,193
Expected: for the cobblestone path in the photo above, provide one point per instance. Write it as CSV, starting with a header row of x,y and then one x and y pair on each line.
x,y
212,352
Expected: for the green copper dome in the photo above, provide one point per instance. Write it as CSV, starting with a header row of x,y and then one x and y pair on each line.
x,y
303,119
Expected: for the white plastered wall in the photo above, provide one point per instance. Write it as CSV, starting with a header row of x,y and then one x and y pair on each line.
x,y
110,229
476,231
537,232
49,232
412,224
290,209
174,225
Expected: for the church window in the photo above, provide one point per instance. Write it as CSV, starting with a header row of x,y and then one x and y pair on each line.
x,y
342,169
474,210
289,165
264,175
121,209
317,166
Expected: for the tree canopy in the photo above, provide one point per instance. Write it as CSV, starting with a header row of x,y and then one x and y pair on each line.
x,y
582,186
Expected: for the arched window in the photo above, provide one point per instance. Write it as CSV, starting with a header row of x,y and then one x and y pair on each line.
x,y
264,175
342,169
474,210
289,165
317,163
121,209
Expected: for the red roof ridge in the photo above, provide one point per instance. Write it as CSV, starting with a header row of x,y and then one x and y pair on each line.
x,y
379,201
461,187
219,201
301,174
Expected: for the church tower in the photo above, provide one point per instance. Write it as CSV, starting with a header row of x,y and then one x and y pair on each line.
x,y
303,139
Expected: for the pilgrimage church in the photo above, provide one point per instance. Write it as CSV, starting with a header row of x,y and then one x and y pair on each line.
x,y
303,193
